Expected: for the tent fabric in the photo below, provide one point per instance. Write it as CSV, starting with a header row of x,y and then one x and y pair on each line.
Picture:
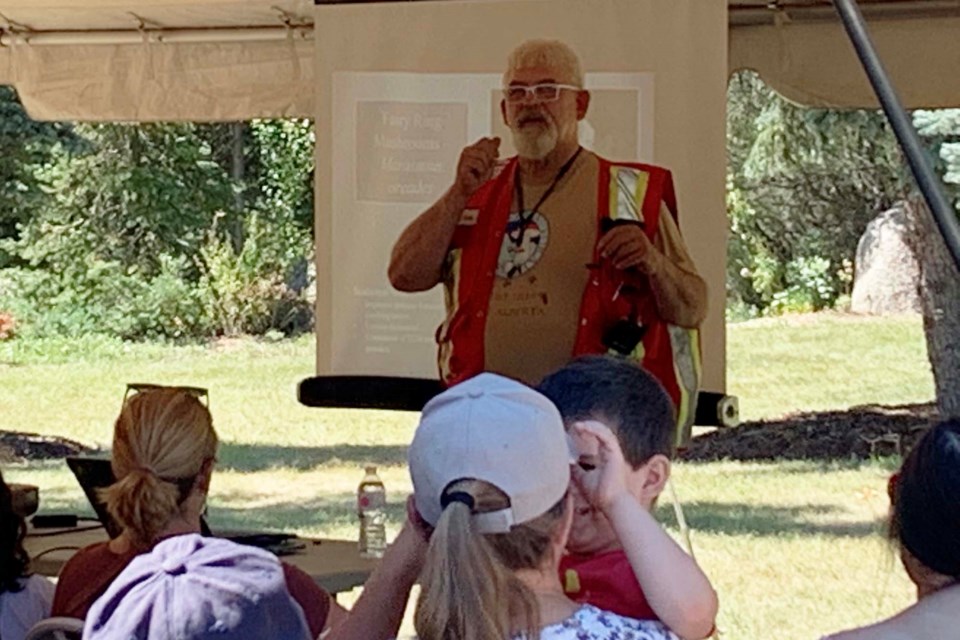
x,y
232,78
88,15
199,81
814,63
798,46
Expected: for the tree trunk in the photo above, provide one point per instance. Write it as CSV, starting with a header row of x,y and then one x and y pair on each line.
x,y
238,169
940,298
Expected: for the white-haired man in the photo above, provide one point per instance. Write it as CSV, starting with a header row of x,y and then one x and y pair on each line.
x,y
556,252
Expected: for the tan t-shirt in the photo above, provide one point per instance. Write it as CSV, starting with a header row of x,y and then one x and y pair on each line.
x,y
542,272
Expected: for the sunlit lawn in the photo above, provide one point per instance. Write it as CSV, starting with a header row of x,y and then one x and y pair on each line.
x,y
794,549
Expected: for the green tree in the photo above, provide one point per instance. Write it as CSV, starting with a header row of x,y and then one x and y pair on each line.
x,y
136,193
25,147
939,276
802,186
163,230
286,163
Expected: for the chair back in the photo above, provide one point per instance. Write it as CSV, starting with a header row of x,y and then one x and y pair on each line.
x,y
57,628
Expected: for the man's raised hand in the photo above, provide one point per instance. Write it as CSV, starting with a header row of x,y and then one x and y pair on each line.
x,y
476,165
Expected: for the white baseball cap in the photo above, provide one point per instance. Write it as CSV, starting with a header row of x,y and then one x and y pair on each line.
x,y
496,430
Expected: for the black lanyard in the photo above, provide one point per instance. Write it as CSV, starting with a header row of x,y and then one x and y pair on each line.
x,y
546,194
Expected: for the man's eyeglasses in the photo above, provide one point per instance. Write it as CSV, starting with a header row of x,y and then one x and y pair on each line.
x,y
199,393
545,92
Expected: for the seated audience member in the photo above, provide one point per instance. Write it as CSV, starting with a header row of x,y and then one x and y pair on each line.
x,y
24,598
164,449
925,523
194,588
615,544
491,471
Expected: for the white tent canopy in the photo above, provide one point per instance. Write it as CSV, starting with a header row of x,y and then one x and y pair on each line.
x,y
206,60
801,49
227,59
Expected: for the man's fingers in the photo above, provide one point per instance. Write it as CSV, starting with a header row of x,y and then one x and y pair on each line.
x,y
612,240
478,159
627,261
490,145
475,164
478,168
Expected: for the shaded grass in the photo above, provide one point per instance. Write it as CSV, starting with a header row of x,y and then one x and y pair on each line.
x,y
795,549
258,457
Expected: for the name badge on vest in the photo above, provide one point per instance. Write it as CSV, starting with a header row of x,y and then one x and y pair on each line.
x,y
469,217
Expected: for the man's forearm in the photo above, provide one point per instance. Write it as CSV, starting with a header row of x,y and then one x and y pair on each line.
x,y
416,262
681,296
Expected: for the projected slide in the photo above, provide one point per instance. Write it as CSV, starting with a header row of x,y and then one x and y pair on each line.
x,y
396,141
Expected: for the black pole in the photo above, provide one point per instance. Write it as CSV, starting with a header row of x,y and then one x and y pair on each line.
x,y
930,185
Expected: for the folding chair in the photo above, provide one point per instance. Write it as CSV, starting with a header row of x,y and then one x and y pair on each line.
x,y
57,628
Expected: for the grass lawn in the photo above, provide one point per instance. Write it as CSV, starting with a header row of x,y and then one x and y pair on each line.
x,y
794,549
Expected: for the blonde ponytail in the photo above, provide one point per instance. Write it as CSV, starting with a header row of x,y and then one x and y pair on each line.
x,y
142,503
468,587
162,439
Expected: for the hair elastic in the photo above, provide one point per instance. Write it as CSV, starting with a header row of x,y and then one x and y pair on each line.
x,y
457,496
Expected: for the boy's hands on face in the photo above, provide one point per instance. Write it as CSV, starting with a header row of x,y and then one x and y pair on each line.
x,y
601,470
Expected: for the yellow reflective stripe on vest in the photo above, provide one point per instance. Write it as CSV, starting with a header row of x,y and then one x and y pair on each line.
x,y
628,188
688,368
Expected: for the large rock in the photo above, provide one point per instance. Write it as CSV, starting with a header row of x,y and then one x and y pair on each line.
x,y
886,276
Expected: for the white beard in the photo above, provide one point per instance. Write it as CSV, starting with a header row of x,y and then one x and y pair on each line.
x,y
535,143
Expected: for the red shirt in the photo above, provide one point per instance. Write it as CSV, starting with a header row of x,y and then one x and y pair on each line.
x,y
607,582
88,574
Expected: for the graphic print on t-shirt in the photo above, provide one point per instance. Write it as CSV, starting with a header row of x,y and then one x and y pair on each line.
x,y
523,244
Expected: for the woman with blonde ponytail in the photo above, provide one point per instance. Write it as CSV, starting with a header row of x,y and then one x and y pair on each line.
x,y
164,450
164,447
491,469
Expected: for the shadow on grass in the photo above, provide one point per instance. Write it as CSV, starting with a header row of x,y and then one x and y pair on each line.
x,y
250,457
782,468
738,519
245,510
228,511
329,511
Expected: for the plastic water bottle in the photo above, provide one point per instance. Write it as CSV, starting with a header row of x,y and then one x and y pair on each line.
x,y
371,508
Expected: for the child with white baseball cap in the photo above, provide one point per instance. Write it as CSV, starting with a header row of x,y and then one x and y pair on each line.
x,y
490,466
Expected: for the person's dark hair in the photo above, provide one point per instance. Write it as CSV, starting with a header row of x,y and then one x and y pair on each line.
x,y
620,394
925,497
13,559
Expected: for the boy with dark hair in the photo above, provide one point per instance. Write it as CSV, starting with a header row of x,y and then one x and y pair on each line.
x,y
623,425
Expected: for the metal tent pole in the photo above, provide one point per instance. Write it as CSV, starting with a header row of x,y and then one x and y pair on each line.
x,y
930,186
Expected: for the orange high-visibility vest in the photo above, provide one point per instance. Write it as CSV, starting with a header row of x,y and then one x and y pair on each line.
x,y
626,191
